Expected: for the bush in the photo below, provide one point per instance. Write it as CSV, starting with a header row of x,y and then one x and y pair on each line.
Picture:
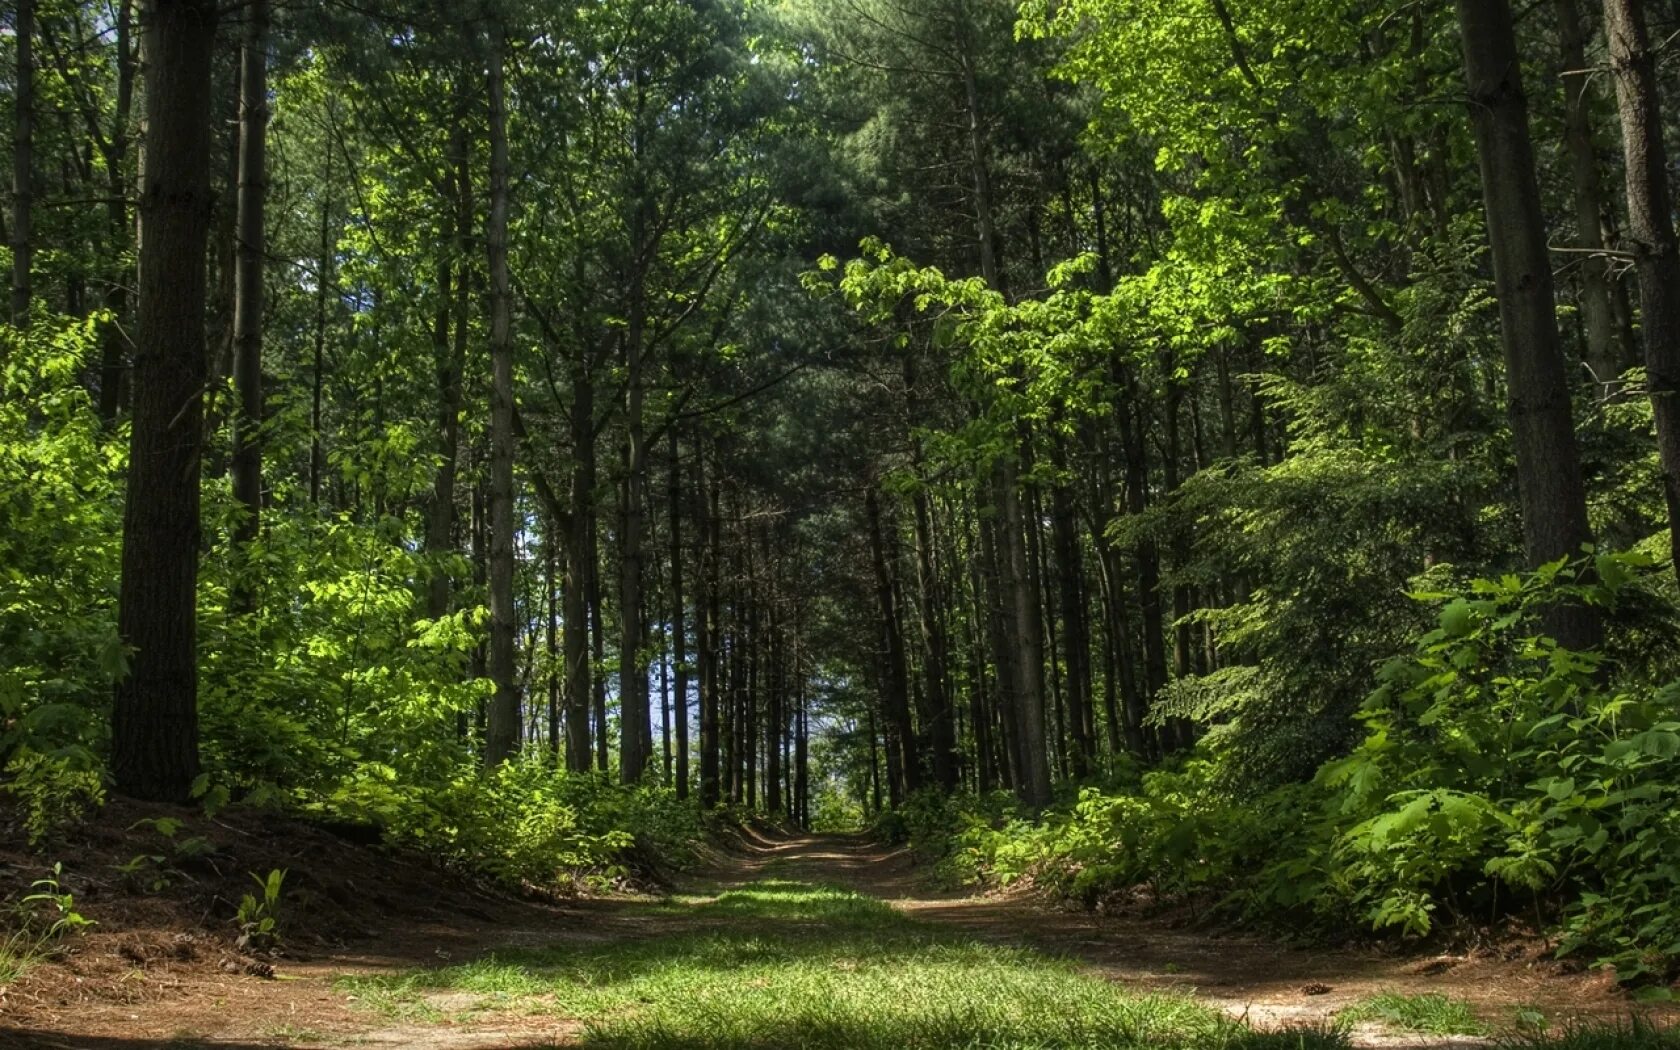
x,y
1496,773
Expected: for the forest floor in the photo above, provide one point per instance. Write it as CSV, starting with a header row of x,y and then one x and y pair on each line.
x,y
815,941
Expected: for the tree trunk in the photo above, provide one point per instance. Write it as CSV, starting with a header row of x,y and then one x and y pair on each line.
x,y
502,733
1034,783
895,678
1607,355
679,640
1076,631
23,160
114,341
154,730
579,555
1554,507
706,635
251,253
940,730
1651,231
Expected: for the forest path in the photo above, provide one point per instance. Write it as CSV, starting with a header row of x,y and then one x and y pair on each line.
x,y
831,942
1261,980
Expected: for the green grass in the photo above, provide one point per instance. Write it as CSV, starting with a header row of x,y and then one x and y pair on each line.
x,y
1636,1034
784,964
1429,1014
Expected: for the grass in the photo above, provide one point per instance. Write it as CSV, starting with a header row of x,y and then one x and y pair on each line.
x,y
786,963
1636,1034
1429,1014
790,964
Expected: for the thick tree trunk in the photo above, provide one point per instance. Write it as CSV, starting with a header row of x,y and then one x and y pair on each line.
x,y
1554,507
23,161
502,732
1650,207
154,731
251,253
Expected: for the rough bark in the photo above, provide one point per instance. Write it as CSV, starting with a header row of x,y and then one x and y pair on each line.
x,y
154,731
1650,231
1554,508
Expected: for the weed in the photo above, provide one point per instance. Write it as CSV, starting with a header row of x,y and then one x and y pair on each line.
x,y
259,917
42,918
1430,1014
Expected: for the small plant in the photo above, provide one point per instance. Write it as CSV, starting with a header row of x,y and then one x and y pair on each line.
x,y
1430,1014
154,872
54,794
259,917
42,917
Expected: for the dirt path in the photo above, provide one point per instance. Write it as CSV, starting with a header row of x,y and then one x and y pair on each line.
x,y
1260,980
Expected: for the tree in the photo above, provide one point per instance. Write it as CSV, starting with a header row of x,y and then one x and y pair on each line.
x,y
23,160
1554,505
502,739
252,254
154,723
1650,204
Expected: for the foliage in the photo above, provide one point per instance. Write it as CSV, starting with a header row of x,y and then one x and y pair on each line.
x,y
1497,773
258,917
35,923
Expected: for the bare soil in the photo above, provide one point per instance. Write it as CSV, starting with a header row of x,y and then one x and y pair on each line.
x,y
162,968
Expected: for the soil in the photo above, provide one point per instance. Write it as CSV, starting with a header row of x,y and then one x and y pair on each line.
x,y
163,968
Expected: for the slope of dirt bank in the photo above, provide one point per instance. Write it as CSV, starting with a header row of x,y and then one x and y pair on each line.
x,y
164,884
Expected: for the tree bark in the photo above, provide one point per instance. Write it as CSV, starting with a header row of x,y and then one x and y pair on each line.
x,y
895,678
113,369
1656,251
1554,507
502,735
679,640
154,730
1607,355
23,161
251,253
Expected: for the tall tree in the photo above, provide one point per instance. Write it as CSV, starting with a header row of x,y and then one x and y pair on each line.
x,y
502,736
154,722
1650,204
252,253
1554,505
23,161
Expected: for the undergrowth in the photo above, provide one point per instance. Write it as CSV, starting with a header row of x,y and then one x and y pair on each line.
x,y
1496,776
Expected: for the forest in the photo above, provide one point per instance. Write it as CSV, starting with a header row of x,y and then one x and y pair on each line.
x,y
1110,465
